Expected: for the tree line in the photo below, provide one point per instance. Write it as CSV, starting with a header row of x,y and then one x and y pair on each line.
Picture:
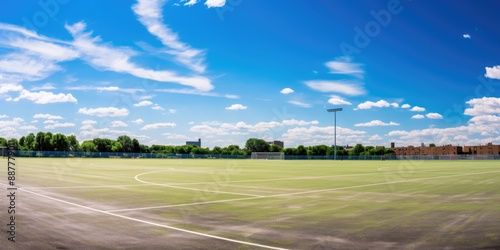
x,y
47,141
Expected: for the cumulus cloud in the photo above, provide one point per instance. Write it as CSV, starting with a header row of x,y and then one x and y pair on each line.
x,y
236,107
483,106
337,100
418,117
104,112
376,123
138,121
294,122
434,116
44,97
493,72
405,106
117,124
378,104
466,36
215,3
143,104
157,107
417,109
60,125
47,116
158,125
286,91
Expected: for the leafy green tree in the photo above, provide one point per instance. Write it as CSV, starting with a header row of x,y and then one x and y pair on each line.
x,y
117,147
3,142
59,142
126,142
217,150
390,151
432,145
256,145
21,143
357,150
88,146
74,145
29,142
14,144
275,148
301,150
144,149
136,146
290,151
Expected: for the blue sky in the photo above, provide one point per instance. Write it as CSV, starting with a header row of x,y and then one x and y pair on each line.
x,y
165,72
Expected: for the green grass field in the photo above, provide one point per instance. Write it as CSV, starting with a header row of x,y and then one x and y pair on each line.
x,y
253,204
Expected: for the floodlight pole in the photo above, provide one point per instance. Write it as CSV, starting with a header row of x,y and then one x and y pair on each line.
x,y
334,130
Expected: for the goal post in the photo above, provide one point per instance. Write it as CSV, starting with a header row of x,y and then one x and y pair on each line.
x,y
267,156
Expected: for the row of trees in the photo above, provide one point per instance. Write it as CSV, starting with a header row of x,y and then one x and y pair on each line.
x,y
58,142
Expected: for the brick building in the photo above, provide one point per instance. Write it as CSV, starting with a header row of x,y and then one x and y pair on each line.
x,y
488,149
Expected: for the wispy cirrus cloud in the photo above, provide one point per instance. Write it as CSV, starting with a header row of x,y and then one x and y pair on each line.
x,y
345,87
149,13
300,104
105,57
344,66
197,92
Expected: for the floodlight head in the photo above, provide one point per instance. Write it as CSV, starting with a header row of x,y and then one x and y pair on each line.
x,y
334,110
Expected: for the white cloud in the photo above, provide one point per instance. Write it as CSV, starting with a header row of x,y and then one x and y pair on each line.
x,y
236,107
418,117
158,125
138,121
104,112
343,65
49,121
191,2
105,57
299,123
44,97
215,3
483,106
417,109
47,86
337,86
60,125
300,104
117,124
143,104
405,106
196,92
47,116
3,116
378,104
376,123
157,107
172,136
9,87
172,111
28,128
286,91
150,15
434,116
89,122
485,119
375,138
315,135
493,72
110,89
337,100
466,36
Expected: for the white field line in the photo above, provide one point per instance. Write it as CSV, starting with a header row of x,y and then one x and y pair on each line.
x,y
277,179
299,193
146,222
83,187
186,188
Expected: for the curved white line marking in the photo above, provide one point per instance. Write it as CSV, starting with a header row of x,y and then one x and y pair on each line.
x,y
186,188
